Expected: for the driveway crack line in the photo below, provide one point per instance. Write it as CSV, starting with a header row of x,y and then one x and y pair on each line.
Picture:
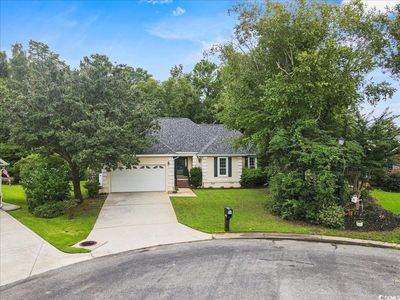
x,y
37,256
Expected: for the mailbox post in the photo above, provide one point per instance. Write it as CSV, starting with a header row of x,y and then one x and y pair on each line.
x,y
228,215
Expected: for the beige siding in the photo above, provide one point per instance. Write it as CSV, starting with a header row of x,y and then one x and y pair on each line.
x,y
206,164
209,180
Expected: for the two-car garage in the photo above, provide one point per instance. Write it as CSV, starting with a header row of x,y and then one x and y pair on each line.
x,y
141,178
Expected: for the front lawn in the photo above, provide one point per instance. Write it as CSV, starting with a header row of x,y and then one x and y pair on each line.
x,y
388,200
206,213
61,232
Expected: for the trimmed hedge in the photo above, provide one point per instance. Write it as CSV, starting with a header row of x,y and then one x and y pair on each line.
x,y
196,176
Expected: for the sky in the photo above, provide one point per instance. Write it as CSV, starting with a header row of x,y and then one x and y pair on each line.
x,y
152,34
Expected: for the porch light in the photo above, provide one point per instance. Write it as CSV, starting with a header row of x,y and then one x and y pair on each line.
x,y
341,141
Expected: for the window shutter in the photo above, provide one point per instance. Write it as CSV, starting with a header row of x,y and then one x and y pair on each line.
x,y
229,166
215,166
246,161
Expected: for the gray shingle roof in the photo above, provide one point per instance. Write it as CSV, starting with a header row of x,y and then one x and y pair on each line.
x,y
183,135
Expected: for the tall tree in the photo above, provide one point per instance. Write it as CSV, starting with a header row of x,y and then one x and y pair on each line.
x,y
298,61
179,97
294,76
3,65
205,78
393,29
192,95
89,116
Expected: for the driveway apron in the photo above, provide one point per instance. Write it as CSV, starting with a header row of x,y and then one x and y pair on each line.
x,y
136,220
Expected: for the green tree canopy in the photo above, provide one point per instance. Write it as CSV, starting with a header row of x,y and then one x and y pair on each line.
x,y
294,76
89,116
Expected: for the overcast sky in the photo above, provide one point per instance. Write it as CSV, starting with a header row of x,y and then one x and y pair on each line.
x,y
152,34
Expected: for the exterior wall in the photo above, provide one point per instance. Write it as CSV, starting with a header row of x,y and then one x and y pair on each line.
x,y
195,162
190,163
167,161
205,162
207,165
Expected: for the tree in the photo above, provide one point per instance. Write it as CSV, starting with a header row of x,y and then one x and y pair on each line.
x,y
3,65
294,76
303,60
191,95
377,138
179,97
393,29
205,79
90,116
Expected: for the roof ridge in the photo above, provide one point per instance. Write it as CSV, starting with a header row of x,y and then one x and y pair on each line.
x,y
209,143
167,146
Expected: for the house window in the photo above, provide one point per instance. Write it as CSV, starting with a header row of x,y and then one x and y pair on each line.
x,y
222,166
252,162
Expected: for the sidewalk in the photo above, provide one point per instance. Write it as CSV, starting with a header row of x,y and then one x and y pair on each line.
x,y
23,253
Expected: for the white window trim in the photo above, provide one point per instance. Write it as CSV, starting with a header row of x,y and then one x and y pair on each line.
x,y
226,166
255,162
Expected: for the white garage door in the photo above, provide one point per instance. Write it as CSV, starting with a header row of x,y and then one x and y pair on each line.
x,y
144,178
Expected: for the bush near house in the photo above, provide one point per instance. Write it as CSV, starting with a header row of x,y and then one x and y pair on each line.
x,y
195,177
92,187
253,177
331,217
45,180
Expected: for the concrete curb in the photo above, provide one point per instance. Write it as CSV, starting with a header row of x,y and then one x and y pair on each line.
x,y
307,238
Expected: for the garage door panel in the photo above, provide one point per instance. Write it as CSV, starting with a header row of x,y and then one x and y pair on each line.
x,y
139,179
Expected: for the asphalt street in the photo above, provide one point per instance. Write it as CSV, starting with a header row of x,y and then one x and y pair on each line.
x,y
224,269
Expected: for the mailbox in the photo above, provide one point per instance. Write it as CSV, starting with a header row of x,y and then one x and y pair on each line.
x,y
228,215
228,212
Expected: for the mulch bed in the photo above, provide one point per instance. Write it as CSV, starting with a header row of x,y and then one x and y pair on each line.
x,y
374,217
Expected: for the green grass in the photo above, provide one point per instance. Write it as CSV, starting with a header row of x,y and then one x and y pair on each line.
x,y
61,232
388,200
206,213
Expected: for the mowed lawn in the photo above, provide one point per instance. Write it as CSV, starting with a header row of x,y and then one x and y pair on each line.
x,y
61,232
388,200
206,213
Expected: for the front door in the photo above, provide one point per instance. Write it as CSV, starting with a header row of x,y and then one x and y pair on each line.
x,y
181,164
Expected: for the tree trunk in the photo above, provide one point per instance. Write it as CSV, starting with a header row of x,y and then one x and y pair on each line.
x,y
76,181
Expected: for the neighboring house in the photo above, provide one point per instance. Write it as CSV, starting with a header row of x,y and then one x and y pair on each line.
x,y
182,145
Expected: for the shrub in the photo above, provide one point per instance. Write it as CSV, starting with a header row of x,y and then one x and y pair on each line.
x,y
69,207
49,210
331,216
44,179
196,177
391,183
253,177
288,209
92,188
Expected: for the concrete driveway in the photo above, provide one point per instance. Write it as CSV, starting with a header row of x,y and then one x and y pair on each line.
x,y
136,220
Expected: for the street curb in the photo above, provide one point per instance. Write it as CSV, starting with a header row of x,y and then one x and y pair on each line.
x,y
307,238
